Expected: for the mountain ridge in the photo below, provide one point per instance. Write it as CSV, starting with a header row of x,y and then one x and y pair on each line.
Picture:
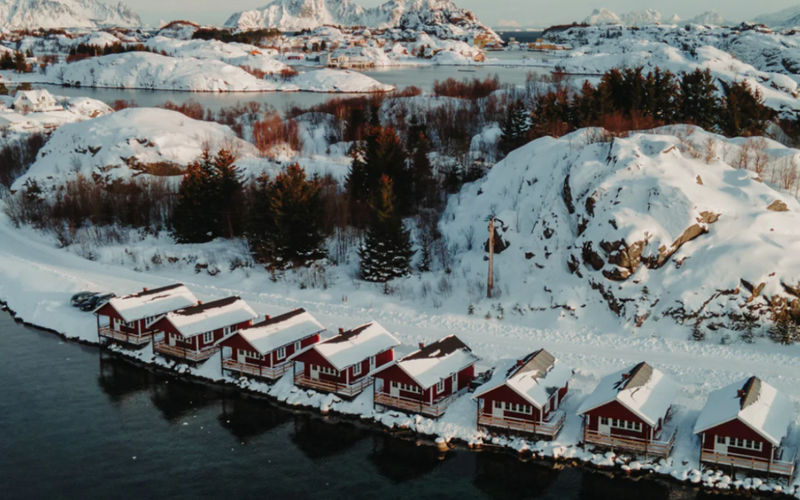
x,y
29,14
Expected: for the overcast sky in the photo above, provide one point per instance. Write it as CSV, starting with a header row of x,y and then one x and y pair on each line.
x,y
492,12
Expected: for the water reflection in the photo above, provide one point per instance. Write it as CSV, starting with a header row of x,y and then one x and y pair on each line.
x,y
504,477
246,419
401,461
176,398
318,439
119,379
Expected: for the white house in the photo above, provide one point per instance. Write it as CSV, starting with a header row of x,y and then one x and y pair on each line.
x,y
29,101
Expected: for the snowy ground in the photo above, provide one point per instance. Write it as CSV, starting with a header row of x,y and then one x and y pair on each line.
x,y
36,280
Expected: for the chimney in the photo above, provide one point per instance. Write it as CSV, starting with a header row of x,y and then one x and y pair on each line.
x,y
341,330
740,393
267,317
144,289
626,376
422,345
199,302
520,362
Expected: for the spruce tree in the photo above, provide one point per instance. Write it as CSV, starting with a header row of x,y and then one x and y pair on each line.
x,y
698,99
742,111
386,252
514,127
286,223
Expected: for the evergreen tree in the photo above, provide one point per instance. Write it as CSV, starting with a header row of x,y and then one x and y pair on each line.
x,y
20,63
514,127
698,335
208,199
698,99
286,222
784,330
3,89
421,172
742,111
386,252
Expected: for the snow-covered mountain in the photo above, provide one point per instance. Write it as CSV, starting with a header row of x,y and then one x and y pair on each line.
x,y
635,18
785,18
292,15
710,18
29,14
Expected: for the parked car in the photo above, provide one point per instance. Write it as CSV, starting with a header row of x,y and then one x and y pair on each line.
x,y
81,297
96,301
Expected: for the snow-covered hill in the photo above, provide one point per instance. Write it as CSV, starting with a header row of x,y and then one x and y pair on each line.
x,y
121,144
710,18
602,16
786,18
29,14
655,226
292,15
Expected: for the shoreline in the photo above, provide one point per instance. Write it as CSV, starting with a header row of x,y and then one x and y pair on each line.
x,y
618,470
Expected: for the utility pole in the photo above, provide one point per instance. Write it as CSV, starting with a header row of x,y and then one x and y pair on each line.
x,y
490,284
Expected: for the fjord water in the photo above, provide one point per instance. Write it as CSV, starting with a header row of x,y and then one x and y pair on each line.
x,y
507,70
78,424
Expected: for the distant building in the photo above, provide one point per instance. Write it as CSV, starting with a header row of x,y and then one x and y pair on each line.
x,y
35,101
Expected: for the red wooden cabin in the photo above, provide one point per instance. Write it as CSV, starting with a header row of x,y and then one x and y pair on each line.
x,y
427,381
192,334
264,349
628,411
524,395
130,319
343,364
744,426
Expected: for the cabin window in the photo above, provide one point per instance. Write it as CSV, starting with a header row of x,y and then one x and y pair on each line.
x,y
624,424
721,439
747,444
297,346
282,353
329,371
604,420
357,369
440,386
518,408
498,404
406,387
226,331
208,337
250,354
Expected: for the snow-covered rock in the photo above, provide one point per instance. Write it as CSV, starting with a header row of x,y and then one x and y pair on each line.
x,y
642,225
119,145
29,14
428,15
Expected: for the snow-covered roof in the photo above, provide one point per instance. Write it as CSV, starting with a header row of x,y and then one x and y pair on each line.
x,y
279,331
644,390
356,345
37,96
535,377
755,403
211,316
436,361
153,302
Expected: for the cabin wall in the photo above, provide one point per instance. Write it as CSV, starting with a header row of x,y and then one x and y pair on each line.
x,y
236,342
737,429
396,374
505,394
616,410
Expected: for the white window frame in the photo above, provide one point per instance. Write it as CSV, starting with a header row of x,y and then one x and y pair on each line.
x,y
356,369
440,387
518,408
298,345
208,337
406,387
226,331
328,371
280,353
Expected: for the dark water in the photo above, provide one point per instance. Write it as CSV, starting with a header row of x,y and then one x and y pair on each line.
x,y
75,424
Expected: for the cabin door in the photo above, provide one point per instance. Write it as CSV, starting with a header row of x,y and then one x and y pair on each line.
x,y
720,447
314,372
172,339
395,390
604,426
371,363
497,409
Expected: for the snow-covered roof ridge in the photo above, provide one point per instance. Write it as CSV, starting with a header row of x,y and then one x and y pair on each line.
x,y
153,302
534,377
353,346
436,361
279,331
209,316
642,389
752,401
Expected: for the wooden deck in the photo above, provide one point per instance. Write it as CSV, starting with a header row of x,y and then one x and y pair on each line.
x,y
162,347
659,447
269,372
349,391
778,467
129,338
548,429
434,410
